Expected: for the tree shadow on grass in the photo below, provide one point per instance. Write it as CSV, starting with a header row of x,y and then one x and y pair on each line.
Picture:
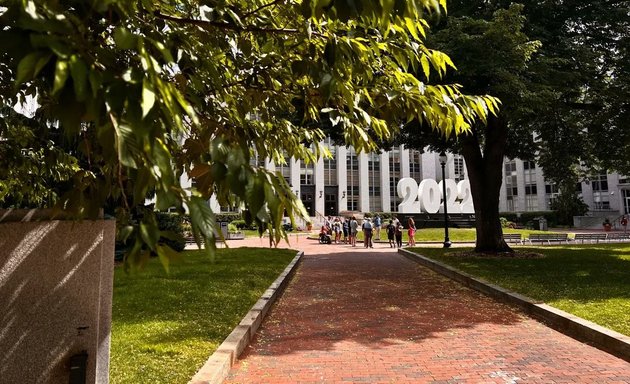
x,y
579,273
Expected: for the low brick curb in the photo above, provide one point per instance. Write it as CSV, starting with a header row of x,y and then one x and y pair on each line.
x,y
218,365
583,330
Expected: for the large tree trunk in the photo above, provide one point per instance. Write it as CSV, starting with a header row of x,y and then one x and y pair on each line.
x,y
484,162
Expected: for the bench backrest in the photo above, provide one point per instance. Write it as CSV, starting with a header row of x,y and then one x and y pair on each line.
x,y
588,236
548,236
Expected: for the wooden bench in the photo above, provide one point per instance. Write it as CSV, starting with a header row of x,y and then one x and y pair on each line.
x,y
513,238
548,237
591,237
618,236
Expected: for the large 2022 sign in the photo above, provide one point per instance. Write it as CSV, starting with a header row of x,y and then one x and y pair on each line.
x,y
427,196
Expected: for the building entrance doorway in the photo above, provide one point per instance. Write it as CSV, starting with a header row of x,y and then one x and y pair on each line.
x,y
307,195
331,198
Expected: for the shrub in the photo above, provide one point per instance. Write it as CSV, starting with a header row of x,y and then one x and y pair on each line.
x,y
528,218
239,224
228,216
242,224
172,223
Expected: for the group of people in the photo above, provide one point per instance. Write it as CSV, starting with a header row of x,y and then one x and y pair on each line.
x,y
343,230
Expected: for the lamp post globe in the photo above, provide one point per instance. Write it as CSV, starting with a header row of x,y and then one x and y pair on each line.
x,y
443,158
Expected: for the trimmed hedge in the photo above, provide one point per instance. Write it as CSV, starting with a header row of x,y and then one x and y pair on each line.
x,y
173,223
228,216
384,215
528,217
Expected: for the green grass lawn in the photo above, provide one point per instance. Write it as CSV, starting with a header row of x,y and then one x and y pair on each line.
x,y
164,327
454,234
590,281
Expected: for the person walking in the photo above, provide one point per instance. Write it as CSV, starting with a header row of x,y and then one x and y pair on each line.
x,y
354,228
367,233
377,227
411,231
399,233
391,234
346,230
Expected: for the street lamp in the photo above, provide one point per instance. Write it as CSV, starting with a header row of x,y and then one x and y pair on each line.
x,y
443,158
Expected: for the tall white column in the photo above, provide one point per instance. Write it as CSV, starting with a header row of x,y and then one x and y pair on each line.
x,y
319,186
405,159
386,192
342,177
520,186
270,165
214,204
540,189
364,193
430,164
295,175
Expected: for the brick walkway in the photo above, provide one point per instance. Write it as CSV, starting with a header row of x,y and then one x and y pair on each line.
x,y
354,315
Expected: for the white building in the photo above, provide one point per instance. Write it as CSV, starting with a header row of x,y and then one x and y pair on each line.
x,y
359,182
525,189
367,182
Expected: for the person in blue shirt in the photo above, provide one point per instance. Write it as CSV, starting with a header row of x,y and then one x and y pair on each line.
x,y
377,226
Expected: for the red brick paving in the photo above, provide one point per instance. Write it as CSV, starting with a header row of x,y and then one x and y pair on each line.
x,y
352,315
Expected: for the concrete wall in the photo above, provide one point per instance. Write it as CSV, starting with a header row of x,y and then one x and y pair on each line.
x,y
56,282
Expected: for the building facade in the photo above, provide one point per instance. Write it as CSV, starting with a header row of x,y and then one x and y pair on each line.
x,y
366,182
361,182
525,189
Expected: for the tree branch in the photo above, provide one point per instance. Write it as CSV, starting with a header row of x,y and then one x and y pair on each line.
x,y
223,25
261,8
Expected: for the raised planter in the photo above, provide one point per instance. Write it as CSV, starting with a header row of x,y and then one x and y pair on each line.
x,y
56,280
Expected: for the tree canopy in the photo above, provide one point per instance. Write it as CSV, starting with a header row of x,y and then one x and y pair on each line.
x,y
131,95
560,70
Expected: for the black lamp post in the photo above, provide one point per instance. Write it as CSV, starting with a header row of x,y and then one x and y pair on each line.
x,y
443,158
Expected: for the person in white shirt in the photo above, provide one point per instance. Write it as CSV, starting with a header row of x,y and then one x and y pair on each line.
x,y
367,233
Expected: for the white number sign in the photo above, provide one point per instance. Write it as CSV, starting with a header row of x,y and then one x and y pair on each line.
x,y
427,197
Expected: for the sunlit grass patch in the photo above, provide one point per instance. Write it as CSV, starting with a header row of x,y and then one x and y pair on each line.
x,y
165,326
590,281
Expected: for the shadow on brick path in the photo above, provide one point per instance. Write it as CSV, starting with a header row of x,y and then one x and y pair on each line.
x,y
371,316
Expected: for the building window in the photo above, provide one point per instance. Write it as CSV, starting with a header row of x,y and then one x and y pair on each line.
x,y
529,165
352,163
601,198
531,203
511,189
551,194
578,188
330,165
353,197
307,173
394,177
256,160
284,169
374,162
458,162
374,182
415,165
530,189
600,183
551,188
